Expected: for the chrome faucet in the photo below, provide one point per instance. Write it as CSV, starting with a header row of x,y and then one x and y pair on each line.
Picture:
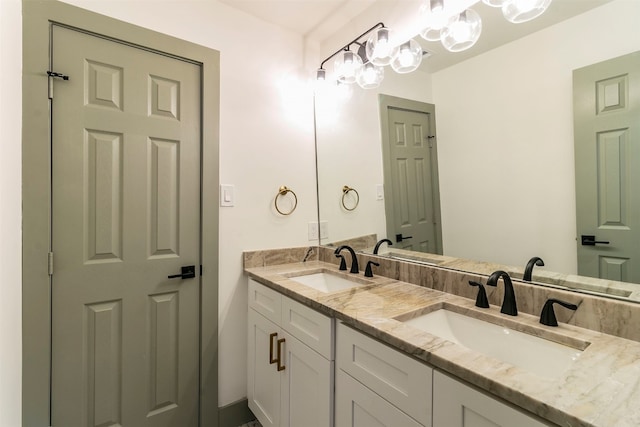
x,y
529,268
375,250
509,302
354,259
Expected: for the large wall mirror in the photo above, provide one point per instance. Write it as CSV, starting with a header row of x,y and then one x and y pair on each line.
x,y
504,136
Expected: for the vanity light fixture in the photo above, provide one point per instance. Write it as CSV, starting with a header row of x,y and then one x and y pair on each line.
x,y
462,30
365,66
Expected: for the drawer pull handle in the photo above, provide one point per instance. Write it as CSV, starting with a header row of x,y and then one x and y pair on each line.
x,y
271,359
279,357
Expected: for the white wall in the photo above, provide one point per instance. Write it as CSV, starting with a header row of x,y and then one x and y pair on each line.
x,y
266,140
505,139
10,215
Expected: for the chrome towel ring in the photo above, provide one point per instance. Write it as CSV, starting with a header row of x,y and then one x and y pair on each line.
x,y
354,204
281,193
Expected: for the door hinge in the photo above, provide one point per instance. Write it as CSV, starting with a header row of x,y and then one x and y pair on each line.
x,y
50,263
51,75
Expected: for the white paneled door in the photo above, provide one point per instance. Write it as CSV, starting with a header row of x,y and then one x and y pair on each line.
x,y
125,216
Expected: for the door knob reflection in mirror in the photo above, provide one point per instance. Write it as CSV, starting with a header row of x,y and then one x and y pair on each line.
x,y
187,272
588,240
400,237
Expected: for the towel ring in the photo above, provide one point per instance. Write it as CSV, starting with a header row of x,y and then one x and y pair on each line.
x,y
283,192
346,190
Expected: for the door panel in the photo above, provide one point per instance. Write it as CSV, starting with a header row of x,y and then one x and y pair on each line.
x,y
358,406
308,385
263,388
412,182
125,216
607,153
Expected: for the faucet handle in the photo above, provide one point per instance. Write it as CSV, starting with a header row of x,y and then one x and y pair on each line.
x,y
548,316
343,263
368,272
481,298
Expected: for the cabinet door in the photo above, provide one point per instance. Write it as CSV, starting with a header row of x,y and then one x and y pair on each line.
x,y
402,381
263,378
357,406
307,387
458,405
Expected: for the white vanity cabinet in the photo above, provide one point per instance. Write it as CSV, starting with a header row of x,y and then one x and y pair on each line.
x,y
455,404
290,361
379,386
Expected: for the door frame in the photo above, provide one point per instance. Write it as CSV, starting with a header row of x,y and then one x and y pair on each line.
x,y
36,187
387,102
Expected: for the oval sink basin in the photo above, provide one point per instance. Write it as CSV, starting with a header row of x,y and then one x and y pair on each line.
x,y
534,354
325,282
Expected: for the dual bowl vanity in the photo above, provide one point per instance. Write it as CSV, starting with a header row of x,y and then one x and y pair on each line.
x,y
328,347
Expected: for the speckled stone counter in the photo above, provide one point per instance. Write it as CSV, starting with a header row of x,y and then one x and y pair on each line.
x,y
601,388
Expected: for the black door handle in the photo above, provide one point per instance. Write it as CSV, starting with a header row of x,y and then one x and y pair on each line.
x,y
400,237
588,240
188,272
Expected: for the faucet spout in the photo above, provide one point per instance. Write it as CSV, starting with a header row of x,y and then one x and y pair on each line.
x,y
354,259
509,305
375,250
528,270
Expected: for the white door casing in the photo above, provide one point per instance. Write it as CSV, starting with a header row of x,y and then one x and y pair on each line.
x,y
125,215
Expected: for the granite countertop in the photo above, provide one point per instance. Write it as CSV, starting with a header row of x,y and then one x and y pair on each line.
x,y
601,388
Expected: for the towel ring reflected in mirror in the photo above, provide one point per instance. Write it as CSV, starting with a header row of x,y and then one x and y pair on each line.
x,y
282,192
351,201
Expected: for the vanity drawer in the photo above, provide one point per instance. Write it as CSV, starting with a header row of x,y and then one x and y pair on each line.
x,y
309,326
396,377
265,301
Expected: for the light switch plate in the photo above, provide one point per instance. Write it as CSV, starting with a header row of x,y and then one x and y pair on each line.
x,y
324,229
379,192
227,195
313,230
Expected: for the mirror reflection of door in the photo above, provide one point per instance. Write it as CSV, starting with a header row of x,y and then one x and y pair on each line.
x,y
607,154
410,159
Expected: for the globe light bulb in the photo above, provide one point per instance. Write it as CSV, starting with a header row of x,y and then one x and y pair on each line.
x,y
346,66
518,11
462,31
408,58
434,17
380,47
370,76
494,3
